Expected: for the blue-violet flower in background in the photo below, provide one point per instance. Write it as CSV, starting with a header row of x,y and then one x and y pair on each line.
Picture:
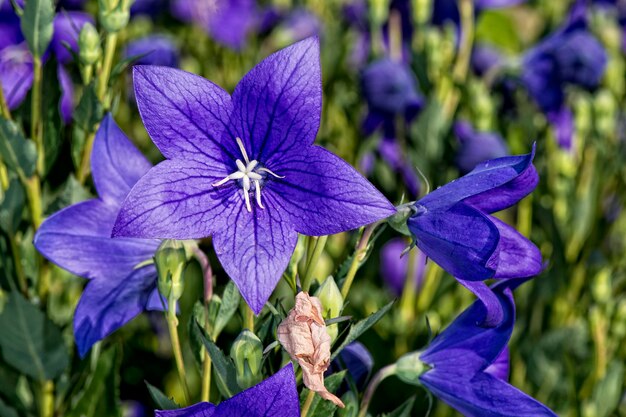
x,y
277,396
394,267
453,227
78,239
469,363
244,169
153,50
477,147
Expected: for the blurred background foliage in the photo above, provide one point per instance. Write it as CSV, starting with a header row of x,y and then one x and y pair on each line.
x,y
568,348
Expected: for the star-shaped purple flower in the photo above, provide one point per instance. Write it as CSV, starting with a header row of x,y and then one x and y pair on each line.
x,y
277,396
244,169
78,239
452,226
470,364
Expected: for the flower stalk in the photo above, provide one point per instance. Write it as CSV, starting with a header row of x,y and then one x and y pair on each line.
x,y
307,403
36,125
316,248
172,326
359,255
382,374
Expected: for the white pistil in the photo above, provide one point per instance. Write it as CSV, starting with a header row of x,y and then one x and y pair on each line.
x,y
248,173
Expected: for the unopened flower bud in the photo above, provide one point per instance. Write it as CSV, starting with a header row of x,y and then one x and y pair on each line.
x,y
332,304
114,15
379,11
170,260
89,49
422,11
247,353
399,219
601,288
409,368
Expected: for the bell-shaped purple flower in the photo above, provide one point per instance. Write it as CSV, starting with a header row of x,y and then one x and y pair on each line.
x,y
390,89
394,267
277,396
244,169
469,363
453,226
477,147
78,239
154,50
570,56
357,360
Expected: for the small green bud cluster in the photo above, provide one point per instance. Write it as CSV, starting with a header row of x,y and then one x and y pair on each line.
x,y
247,354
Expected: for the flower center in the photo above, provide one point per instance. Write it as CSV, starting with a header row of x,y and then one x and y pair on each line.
x,y
248,176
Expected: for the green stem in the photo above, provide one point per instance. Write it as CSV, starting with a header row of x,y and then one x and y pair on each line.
x,y
359,254
4,176
206,363
4,107
85,165
431,283
248,318
383,373
317,250
307,404
47,399
35,123
409,292
172,325
33,194
525,216
109,52
19,270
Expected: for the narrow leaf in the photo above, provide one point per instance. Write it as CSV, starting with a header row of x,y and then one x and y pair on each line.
x,y
403,411
37,25
162,401
320,407
11,207
18,153
230,302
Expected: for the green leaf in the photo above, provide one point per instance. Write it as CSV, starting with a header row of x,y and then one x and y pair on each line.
x,y
18,153
230,302
403,411
361,327
100,396
6,411
223,367
121,66
37,25
162,401
51,116
30,342
198,315
320,407
72,192
608,391
89,111
11,207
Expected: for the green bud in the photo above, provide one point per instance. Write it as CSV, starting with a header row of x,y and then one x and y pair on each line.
x,y
170,261
89,45
247,353
409,368
399,219
332,304
601,288
114,14
422,11
379,11
605,108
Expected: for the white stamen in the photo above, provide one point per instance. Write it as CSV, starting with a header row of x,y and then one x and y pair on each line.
x,y
248,173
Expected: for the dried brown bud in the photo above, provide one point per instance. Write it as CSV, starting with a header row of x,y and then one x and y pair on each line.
x,y
303,335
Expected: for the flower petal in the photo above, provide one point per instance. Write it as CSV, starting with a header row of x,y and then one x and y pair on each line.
x,y
116,163
325,195
465,347
277,105
184,114
16,73
66,106
461,240
255,248
84,229
500,367
109,302
517,257
483,396
176,200
276,396
494,314
492,182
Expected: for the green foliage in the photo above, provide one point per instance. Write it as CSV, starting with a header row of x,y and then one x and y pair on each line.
x,y
37,25
404,410
30,342
162,401
320,407
18,153
51,115
11,207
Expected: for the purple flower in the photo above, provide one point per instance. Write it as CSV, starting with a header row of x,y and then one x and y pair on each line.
x,y
148,7
390,89
300,24
570,56
464,357
78,239
244,168
477,147
485,58
357,360
155,50
453,227
277,396
394,266
228,22
447,11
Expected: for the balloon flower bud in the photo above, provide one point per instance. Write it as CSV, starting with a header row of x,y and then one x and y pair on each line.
x,y
114,16
170,260
332,304
89,49
247,353
409,368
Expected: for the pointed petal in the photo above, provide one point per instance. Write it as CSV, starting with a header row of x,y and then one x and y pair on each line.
x,y
176,200
185,114
517,257
465,347
324,195
110,302
494,314
461,240
196,410
494,179
66,106
84,229
116,163
16,73
277,105
500,367
483,396
255,248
